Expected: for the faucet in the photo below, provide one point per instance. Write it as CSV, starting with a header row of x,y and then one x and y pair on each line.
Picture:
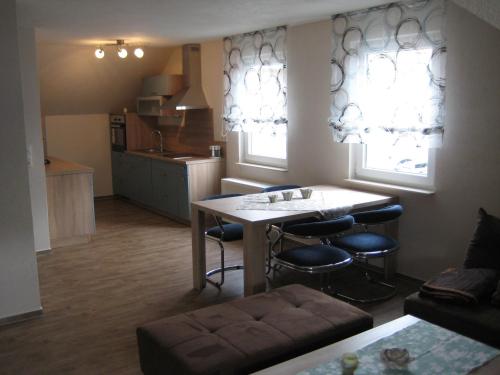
x,y
161,138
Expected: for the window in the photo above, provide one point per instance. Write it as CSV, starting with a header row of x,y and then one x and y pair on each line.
x,y
388,90
405,161
264,148
401,164
255,101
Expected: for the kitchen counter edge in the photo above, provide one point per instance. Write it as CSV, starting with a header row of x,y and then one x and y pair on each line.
x,y
59,167
187,161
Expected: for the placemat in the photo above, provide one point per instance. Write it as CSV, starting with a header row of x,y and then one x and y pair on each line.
x,y
318,202
434,350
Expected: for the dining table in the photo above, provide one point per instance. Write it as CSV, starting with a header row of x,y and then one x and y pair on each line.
x,y
255,212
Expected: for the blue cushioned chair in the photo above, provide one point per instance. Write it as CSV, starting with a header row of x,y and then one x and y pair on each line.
x,y
365,244
223,232
321,258
280,228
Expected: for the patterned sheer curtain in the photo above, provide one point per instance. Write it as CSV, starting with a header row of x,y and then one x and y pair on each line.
x,y
388,74
255,81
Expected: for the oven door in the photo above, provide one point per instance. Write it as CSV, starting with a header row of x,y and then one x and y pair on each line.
x,y
118,137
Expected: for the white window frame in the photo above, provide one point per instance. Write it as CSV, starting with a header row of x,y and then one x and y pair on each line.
x,y
246,157
359,171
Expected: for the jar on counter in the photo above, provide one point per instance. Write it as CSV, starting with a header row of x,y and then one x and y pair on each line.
x,y
215,151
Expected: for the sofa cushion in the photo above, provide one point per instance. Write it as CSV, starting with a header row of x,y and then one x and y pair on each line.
x,y
480,322
495,297
249,333
484,248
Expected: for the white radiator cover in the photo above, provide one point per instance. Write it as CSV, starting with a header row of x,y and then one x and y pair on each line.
x,y
241,186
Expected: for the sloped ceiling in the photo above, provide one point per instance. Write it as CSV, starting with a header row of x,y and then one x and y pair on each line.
x,y
487,10
169,22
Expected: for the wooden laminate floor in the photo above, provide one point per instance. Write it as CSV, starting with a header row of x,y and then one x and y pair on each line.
x,y
136,269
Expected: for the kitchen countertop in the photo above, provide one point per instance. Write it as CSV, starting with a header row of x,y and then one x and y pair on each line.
x,y
59,167
183,161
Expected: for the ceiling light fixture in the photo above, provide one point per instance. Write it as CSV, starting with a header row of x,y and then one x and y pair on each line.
x,y
121,50
139,52
99,53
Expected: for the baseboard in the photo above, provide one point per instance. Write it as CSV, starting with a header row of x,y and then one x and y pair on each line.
x,y
42,251
104,198
70,241
21,317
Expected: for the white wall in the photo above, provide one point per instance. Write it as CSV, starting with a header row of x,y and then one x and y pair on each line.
x,y
434,230
73,81
18,269
488,10
32,121
83,139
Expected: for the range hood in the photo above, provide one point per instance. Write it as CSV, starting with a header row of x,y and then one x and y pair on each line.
x,y
191,96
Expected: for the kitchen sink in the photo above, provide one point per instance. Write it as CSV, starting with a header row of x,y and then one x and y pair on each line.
x,y
173,155
150,150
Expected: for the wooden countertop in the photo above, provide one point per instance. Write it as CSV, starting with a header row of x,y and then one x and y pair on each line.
x,y
184,161
59,167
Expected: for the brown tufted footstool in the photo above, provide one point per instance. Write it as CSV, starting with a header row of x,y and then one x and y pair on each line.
x,y
247,334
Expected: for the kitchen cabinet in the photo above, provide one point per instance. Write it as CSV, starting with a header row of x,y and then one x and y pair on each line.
x,y
117,165
136,178
170,188
165,185
70,201
164,85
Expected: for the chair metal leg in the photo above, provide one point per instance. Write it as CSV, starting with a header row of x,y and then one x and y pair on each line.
x,y
370,279
270,248
325,282
222,269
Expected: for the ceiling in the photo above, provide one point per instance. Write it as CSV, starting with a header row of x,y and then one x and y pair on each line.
x,y
169,22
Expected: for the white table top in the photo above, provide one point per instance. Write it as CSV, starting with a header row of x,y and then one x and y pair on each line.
x,y
229,207
354,343
330,352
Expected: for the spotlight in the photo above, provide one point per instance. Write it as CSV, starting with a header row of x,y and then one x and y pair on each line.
x,y
99,53
139,52
122,52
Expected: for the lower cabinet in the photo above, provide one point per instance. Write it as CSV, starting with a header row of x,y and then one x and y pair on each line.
x,y
116,167
158,184
136,179
170,188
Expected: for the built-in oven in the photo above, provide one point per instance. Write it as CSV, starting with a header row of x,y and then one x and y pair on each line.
x,y
118,132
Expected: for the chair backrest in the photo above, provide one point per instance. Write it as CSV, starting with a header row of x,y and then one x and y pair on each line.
x,y
321,229
379,216
279,187
218,219
221,196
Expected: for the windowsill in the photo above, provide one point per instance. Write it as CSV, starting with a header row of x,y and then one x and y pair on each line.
x,y
390,186
277,169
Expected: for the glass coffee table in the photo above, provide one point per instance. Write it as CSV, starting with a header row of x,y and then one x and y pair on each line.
x,y
433,350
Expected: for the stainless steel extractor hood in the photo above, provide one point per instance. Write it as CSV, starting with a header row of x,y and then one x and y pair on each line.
x,y
191,96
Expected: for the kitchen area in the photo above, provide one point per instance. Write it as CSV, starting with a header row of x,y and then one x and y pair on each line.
x,y
160,153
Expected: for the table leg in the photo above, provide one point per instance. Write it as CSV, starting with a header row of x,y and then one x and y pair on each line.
x,y
198,244
254,258
392,230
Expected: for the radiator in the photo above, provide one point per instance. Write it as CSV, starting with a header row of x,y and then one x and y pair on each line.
x,y
241,186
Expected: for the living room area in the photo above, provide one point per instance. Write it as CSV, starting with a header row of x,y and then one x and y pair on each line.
x,y
354,222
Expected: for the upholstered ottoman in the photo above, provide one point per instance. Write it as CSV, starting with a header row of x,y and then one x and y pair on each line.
x,y
247,334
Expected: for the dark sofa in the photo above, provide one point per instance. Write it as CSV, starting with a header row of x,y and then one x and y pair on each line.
x,y
480,322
